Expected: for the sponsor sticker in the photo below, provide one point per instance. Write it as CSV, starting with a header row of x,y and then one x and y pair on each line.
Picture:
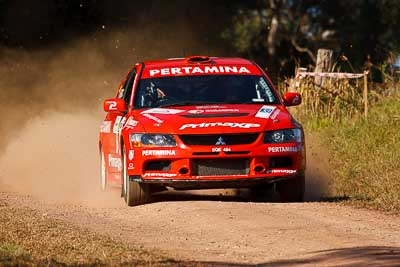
x,y
267,91
159,174
196,111
131,154
283,171
276,149
243,125
263,83
165,111
265,112
189,70
131,166
119,122
151,117
227,110
131,123
158,152
114,162
223,110
275,114
105,127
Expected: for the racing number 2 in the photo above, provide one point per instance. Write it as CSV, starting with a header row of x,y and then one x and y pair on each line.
x,y
113,105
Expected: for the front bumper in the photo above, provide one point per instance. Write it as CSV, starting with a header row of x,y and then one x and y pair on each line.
x,y
181,184
216,166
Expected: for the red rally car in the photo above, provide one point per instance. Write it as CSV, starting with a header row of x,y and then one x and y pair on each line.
x,y
200,122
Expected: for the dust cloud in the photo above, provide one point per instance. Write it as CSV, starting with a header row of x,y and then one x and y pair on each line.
x,y
51,106
54,157
318,170
50,112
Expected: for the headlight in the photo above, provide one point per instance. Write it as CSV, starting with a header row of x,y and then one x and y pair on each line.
x,y
139,140
283,136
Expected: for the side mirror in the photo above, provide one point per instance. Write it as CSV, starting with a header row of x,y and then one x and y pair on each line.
x,y
292,99
114,105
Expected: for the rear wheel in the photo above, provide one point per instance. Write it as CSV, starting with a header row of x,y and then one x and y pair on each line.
x,y
103,171
292,190
134,193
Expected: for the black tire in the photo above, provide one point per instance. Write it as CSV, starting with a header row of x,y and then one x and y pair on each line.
x,y
103,171
291,190
137,194
134,193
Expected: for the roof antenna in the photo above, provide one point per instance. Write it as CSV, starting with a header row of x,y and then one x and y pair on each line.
x,y
184,52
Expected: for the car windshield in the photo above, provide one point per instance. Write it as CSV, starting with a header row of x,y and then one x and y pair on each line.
x,y
204,89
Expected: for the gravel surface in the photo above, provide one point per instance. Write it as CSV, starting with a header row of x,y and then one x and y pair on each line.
x,y
49,240
207,230
52,207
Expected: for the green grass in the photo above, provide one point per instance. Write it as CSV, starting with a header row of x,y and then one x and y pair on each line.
x,y
14,255
27,238
365,156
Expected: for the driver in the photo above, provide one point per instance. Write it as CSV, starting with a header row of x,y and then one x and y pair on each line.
x,y
152,95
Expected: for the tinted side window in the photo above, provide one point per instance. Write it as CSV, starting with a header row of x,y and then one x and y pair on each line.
x,y
126,90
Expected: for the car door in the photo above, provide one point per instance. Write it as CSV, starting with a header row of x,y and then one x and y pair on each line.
x,y
111,129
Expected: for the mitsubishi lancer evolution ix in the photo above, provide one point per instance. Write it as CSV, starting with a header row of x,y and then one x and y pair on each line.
x,y
200,122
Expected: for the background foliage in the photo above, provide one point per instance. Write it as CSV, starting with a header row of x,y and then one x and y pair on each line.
x,y
276,33
353,28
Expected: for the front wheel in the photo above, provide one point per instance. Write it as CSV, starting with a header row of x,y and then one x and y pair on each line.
x,y
292,190
134,193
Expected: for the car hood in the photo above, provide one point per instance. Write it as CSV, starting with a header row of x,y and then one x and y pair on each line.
x,y
212,119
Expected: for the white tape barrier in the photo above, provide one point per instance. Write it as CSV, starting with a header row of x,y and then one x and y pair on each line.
x,y
337,75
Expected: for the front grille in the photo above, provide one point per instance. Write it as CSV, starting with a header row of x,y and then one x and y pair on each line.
x,y
280,162
205,153
237,152
215,139
158,165
220,167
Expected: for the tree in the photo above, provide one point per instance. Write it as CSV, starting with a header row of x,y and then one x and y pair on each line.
x,y
283,33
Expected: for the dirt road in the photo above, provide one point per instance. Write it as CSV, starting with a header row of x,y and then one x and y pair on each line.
x,y
232,231
216,228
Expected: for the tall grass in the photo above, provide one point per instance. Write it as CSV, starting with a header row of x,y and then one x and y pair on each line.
x,y
14,255
364,152
337,99
365,156
334,100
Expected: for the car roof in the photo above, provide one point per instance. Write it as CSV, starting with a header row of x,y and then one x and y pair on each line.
x,y
199,65
172,62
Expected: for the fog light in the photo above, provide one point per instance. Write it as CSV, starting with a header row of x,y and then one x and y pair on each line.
x,y
259,169
184,170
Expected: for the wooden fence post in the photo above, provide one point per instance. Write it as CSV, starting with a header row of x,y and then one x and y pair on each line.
x,y
324,64
298,79
365,94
